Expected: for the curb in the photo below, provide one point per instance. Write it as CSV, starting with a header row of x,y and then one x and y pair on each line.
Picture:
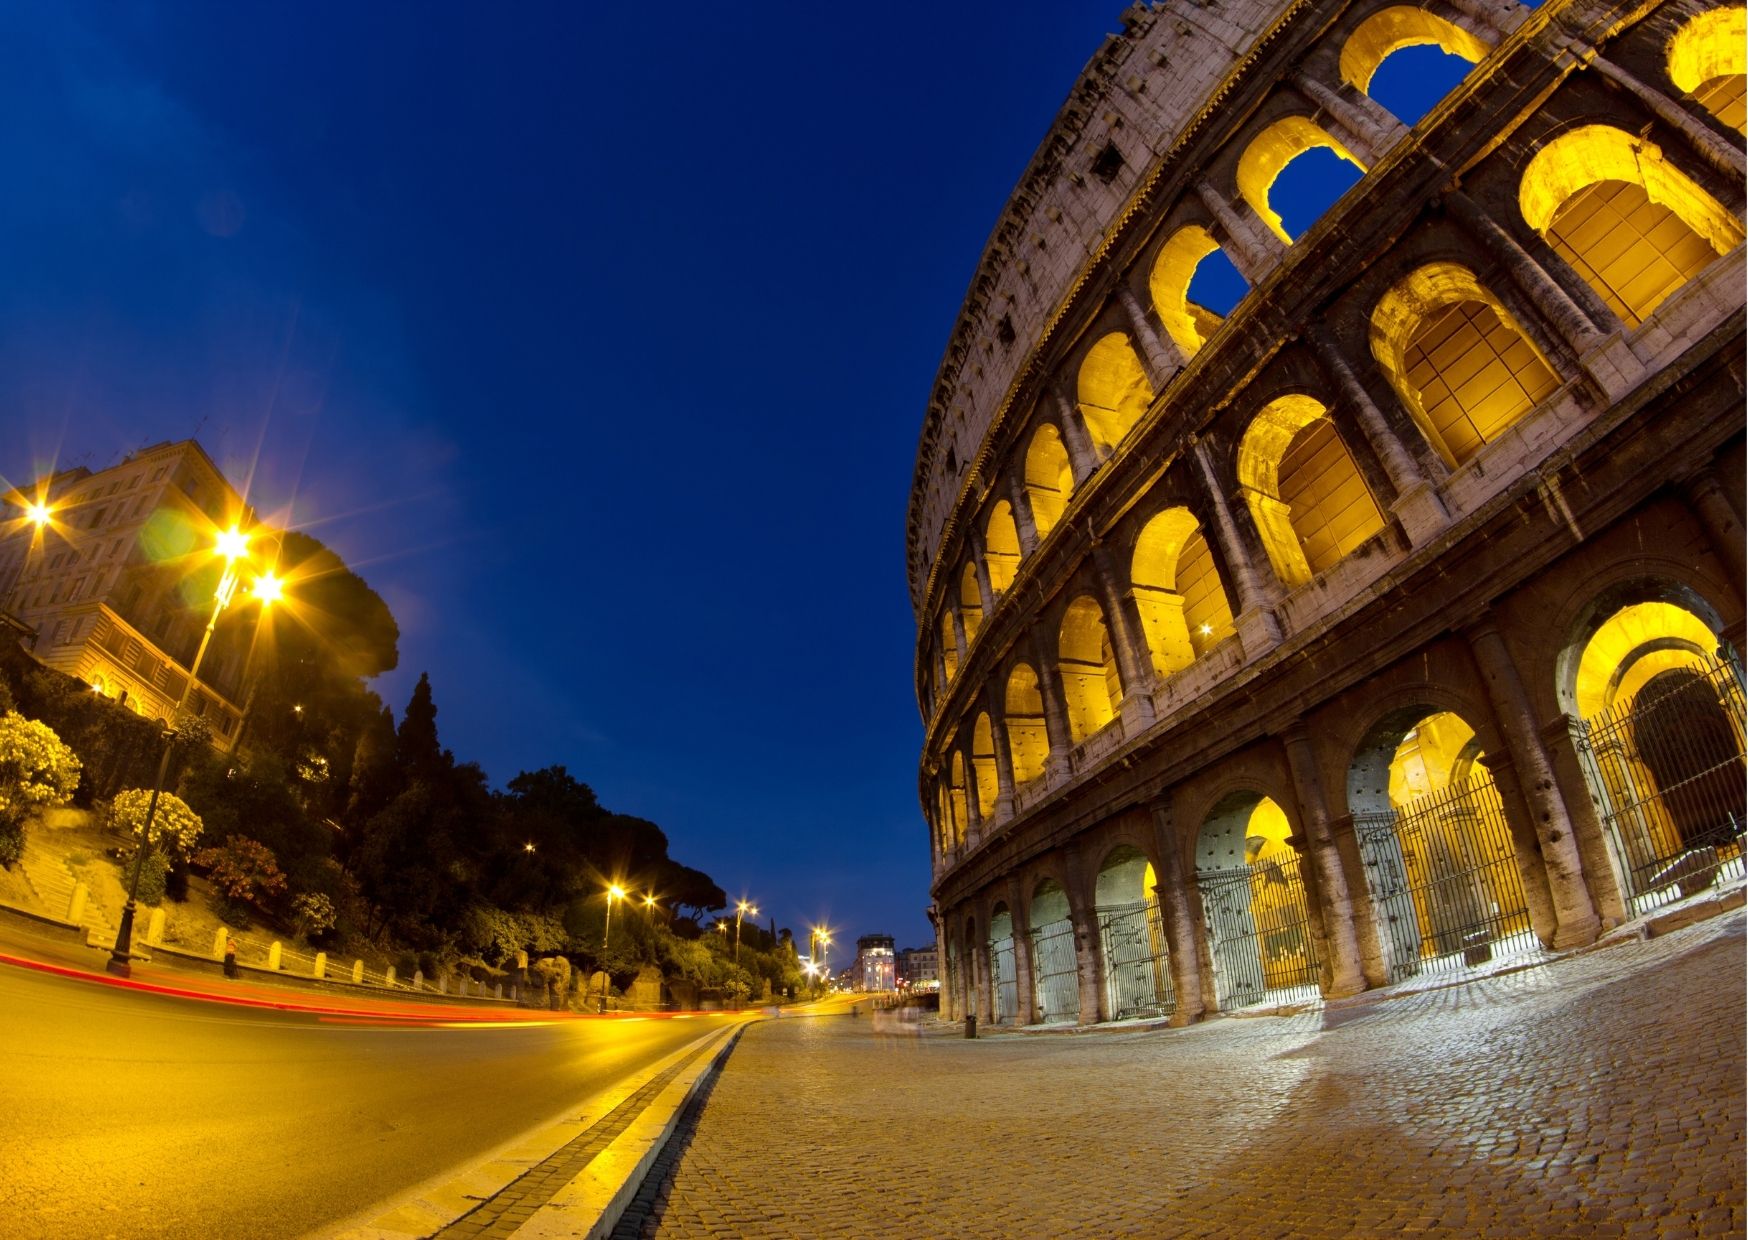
x,y
42,923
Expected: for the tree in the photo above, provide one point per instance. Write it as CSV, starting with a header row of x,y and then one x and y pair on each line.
x,y
244,870
36,772
417,753
175,827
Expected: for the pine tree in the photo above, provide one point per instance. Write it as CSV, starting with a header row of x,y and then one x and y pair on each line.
x,y
417,753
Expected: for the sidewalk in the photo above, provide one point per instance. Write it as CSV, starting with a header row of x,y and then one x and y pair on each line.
x,y
1600,1095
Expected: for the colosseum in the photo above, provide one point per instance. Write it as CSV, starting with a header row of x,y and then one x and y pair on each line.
x,y
1307,606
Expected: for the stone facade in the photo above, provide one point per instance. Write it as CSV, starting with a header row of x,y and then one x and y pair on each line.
x,y
1374,626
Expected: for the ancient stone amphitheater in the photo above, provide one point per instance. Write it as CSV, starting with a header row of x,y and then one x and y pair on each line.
x,y
1377,618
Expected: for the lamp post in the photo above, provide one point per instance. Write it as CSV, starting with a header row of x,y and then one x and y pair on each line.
x,y
38,515
740,911
615,892
232,544
267,591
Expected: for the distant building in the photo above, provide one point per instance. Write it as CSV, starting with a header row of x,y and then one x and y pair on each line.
x,y
919,968
876,964
116,590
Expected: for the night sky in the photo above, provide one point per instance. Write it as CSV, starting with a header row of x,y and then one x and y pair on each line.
x,y
597,341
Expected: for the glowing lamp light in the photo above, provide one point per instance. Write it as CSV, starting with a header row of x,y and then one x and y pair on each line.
x,y
232,543
616,891
38,514
1207,630
649,901
528,847
268,589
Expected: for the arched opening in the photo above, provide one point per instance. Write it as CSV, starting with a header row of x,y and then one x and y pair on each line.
x,y
1001,547
1024,710
1253,904
1003,973
970,602
1633,225
1090,685
956,799
1194,285
949,646
1461,364
1056,980
1311,190
1305,494
1178,593
1132,937
1049,478
1662,739
983,767
1440,860
1407,59
1112,390
1707,59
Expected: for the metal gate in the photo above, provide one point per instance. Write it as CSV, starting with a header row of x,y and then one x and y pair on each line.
x,y
1444,880
1007,996
1259,934
1058,984
1137,969
1667,769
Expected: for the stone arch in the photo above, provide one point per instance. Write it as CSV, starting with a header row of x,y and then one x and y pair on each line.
x,y
956,798
1174,269
1592,668
1179,594
1626,219
983,766
949,648
1310,504
970,603
1258,922
1003,966
1001,547
1091,688
1461,363
1137,968
1028,742
1049,477
1268,155
1389,30
1112,390
1708,60
1055,970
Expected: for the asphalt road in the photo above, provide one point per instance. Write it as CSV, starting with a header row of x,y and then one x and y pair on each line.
x,y
126,1114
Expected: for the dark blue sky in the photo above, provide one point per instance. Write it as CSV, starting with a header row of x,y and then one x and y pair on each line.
x,y
598,342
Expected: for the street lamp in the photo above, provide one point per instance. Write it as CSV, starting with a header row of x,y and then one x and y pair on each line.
x,y
267,590
232,544
614,892
740,911
38,515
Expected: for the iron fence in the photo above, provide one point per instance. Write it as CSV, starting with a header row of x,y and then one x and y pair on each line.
x,y
1667,771
1444,880
1058,980
1007,994
1259,934
1137,969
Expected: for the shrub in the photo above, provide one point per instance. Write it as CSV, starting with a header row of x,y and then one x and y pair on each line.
x,y
36,772
152,875
313,912
175,827
244,870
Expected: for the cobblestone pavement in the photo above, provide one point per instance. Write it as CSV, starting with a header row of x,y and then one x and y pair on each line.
x,y
1601,1095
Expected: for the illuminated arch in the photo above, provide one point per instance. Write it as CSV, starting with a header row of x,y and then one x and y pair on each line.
x,y
1185,322
1112,390
1270,152
1001,547
983,766
1178,592
1635,644
1049,478
1305,494
1633,225
1090,685
1253,903
956,799
1708,60
949,647
1131,937
970,602
1055,969
1457,358
1388,31
1023,709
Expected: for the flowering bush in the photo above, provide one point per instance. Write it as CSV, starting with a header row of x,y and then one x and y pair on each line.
x,y
244,870
175,827
37,772
313,912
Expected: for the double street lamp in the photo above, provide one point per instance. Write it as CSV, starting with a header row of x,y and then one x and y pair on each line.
x,y
233,545
740,911
614,892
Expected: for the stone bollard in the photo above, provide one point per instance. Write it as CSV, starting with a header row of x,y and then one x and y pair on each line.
x,y
76,905
388,977
498,991
155,928
418,978
321,969
357,972
273,954
218,943
442,984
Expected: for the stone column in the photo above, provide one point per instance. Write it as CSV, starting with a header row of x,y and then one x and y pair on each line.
x,y
1134,665
973,811
1158,351
1056,729
1417,505
1025,998
980,567
960,642
1369,129
1725,157
1346,975
1083,457
1088,956
1025,525
1578,922
1526,853
1723,528
1182,926
1255,251
1258,630
977,951
995,701
1560,738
